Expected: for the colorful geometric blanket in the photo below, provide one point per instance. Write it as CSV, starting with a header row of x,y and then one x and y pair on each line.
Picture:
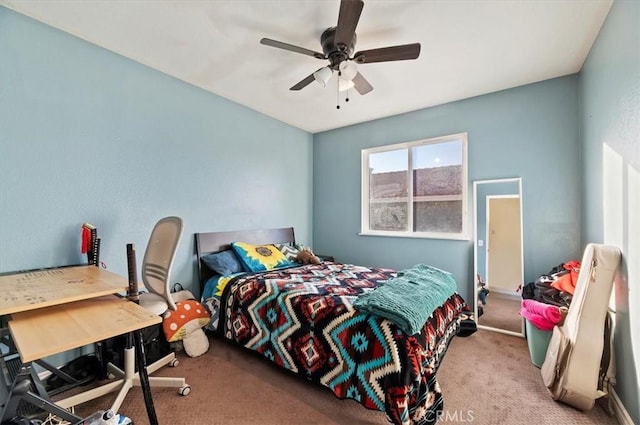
x,y
303,320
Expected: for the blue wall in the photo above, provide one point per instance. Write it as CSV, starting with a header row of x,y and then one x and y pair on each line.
x,y
529,132
609,88
87,135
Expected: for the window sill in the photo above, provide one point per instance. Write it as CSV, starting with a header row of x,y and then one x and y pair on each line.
x,y
446,236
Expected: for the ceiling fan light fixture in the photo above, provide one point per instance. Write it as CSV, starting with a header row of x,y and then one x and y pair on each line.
x,y
348,70
323,75
345,85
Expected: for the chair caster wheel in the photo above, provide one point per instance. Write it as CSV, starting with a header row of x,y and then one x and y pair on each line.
x,y
174,363
184,391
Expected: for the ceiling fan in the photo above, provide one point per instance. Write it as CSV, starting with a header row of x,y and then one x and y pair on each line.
x,y
338,44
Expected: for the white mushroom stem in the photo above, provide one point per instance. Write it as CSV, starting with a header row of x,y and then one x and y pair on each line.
x,y
196,343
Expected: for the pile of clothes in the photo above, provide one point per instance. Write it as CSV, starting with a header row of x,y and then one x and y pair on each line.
x,y
543,316
546,301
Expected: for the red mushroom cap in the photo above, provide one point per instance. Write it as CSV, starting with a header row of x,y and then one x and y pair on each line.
x,y
188,316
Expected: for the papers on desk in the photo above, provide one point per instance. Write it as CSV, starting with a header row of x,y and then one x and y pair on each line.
x,y
47,287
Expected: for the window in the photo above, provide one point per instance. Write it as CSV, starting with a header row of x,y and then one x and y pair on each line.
x,y
416,189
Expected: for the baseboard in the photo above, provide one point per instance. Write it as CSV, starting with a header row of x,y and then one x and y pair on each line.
x,y
619,410
505,291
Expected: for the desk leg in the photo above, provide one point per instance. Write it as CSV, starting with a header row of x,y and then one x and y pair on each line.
x,y
20,391
37,383
18,388
69,381
144,378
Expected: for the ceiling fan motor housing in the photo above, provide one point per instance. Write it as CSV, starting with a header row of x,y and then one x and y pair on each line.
x,y
332,51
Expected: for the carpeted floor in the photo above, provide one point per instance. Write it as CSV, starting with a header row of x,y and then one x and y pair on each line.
x,y
487,378
502,312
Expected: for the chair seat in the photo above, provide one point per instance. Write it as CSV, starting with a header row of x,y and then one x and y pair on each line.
x,y
153,303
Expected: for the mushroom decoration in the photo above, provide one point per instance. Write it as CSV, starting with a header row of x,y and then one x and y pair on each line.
x,y
185,323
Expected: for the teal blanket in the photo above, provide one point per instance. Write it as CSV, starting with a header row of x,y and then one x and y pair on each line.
x,y
409,299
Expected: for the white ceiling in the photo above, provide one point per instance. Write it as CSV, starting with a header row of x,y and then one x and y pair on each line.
x,y
469,48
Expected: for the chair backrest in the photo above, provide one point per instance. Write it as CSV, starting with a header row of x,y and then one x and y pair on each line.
x,y
159,255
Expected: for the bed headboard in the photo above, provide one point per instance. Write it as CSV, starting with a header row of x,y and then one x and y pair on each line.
x,y
220,241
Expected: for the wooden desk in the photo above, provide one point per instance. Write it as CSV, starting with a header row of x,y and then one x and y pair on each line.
x,y
46,331
58,309
37,289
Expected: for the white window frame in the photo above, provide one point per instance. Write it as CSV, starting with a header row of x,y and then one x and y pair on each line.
x,y
364,220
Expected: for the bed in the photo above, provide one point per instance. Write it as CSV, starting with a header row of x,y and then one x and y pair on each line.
x,y
302,318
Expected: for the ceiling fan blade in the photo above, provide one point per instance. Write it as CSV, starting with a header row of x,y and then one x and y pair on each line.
x,y
386,54
361,84
291,48
348,18
304,83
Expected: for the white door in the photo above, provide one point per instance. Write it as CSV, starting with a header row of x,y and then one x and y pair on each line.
x,y
504,259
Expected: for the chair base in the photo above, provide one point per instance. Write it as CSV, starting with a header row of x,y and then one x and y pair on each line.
x,y
127,379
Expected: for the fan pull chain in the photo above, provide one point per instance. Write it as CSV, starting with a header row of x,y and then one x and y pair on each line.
x,y
338,91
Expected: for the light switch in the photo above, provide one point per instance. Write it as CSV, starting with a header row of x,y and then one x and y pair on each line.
x,y
480,242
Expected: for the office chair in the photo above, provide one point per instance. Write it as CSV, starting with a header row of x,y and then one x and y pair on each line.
x,y
156,266
156,272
